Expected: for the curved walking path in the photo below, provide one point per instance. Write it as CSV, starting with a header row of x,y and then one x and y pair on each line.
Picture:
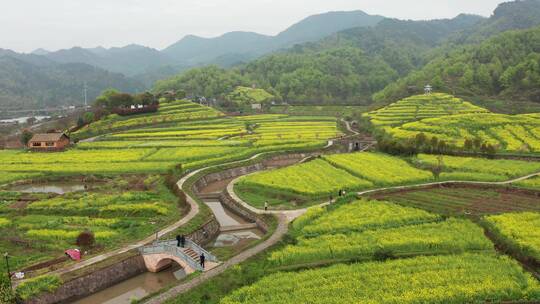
x,y
511,181
349,128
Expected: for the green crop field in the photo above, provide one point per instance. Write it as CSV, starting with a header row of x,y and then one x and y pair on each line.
x,y
315,179
474,168
512,133
45,226
530,183
518,230
335,111
181,134
173,112
366,170
367,215
381,169
467,278
452,236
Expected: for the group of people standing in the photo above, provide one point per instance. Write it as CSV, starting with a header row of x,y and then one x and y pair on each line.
x,y
181,242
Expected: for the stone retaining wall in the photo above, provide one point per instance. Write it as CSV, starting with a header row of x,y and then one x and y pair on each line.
x,y
206,233
93,282
229,173
244,170
239,210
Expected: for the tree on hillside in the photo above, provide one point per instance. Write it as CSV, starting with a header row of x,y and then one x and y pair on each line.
x,y
25,137
103,99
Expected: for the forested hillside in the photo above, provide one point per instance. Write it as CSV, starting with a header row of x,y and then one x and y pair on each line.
x,y
25,85
505,66
467,55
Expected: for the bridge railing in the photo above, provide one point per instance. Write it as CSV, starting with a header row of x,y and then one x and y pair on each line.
x,y
170,246
189,244
172,249
199,250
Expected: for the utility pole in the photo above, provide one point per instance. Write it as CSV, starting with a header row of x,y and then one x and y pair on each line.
x,y
6,255
85,95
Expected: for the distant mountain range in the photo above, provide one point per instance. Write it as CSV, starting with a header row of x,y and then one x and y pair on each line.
x,y
396,58
229,49
245,46
27,80
135,67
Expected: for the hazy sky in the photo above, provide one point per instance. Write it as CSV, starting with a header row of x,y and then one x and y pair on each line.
x,y
54,24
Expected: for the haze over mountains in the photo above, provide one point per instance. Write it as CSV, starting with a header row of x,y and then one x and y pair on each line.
x,y
26,80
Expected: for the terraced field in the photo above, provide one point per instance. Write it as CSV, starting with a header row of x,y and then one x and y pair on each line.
x,y
381,169
478,169
454,121
421,258
37,227
314,179
518,231
435,279
420,107
172,112
364,171
181,135
512,133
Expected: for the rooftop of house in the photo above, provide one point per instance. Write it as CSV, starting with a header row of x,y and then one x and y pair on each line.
x,y
47,137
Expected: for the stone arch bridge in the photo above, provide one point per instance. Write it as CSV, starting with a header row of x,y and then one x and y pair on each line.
x,y
159,255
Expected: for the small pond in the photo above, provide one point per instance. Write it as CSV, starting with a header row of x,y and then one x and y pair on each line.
x,y
50,187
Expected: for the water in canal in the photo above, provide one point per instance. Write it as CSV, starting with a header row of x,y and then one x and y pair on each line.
x,y
135,288
227,218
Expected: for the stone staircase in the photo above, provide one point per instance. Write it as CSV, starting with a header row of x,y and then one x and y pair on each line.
x,y
192,254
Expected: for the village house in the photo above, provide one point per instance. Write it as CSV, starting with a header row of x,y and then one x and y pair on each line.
x,y
49,142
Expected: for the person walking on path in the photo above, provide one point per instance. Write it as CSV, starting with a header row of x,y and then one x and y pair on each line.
x,y
266,206
202,258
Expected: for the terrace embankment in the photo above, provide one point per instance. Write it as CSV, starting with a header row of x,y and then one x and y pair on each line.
x,y
218,181
93,282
